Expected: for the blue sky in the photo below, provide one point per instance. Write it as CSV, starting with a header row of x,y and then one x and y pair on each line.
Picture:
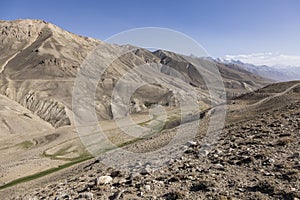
x,y
222,27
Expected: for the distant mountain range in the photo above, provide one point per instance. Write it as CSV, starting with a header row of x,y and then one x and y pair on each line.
x,y
277,73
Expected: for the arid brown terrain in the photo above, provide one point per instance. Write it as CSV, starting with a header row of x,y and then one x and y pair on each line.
x,y
42,157
255,157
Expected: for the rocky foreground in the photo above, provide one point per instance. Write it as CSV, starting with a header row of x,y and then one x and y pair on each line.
x,y
256,157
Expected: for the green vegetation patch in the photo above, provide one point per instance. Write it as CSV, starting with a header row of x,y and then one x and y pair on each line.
x,y
43,173
26,144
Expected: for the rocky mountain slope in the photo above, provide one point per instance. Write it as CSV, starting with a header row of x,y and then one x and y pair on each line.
x,y
15,118
255,157
39,62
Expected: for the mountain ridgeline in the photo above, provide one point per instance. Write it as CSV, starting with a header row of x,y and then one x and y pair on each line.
x,y
39,63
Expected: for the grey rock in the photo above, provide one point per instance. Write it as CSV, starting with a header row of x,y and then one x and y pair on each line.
x,y
86,195
102,180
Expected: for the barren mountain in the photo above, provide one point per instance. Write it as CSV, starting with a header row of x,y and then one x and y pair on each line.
x,y
39,63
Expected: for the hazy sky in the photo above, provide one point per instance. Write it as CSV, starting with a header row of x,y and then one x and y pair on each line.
x,y
222,27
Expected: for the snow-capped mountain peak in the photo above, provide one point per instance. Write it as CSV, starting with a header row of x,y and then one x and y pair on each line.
x,y
277,72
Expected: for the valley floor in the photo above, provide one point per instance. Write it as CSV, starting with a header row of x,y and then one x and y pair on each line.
x,y
256,157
